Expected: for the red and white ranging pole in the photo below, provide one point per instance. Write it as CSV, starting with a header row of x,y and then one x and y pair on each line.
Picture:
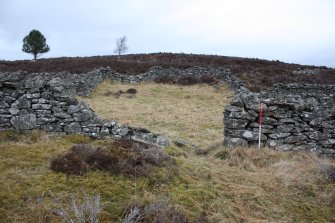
x,y
260,125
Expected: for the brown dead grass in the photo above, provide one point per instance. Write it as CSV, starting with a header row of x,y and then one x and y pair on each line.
x,y
193,113
227,185
256,185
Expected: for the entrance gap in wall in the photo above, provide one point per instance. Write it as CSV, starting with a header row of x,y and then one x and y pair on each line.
x,y
191,113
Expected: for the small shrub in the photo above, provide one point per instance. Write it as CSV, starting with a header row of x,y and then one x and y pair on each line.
x,y
131,144
102,160
84,151
187,80
124,156
70,163
164,79
82,210
159,212
108,93
207,79
132,91
150,153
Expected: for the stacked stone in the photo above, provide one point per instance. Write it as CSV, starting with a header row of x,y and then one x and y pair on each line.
x,y
307,71
295,117
223,74
67,84
42,102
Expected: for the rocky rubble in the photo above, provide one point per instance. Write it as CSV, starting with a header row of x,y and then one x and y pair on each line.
x,y
295,117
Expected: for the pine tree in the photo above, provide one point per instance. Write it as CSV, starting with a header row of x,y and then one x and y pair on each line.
x,y
35,43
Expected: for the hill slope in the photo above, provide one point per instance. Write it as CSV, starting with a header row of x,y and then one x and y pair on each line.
x,y
258,74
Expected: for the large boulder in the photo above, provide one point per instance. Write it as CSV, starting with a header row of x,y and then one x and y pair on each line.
x,y
24,122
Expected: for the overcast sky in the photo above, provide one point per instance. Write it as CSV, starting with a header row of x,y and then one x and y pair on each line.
x,y
294,31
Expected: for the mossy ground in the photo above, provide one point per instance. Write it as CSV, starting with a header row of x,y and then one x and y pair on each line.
x,y
226,185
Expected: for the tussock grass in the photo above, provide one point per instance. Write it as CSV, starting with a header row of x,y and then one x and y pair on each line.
x,y
227,185
193,113
221,185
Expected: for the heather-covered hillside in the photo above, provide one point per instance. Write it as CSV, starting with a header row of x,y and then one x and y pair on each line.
x,y
257,73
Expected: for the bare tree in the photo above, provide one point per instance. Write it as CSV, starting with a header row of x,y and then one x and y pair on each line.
x,y
121,46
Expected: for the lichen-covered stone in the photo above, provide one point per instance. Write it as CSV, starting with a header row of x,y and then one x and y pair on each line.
x,y
279,135
45,120
24,122
233,142
316,135
269,121
236,124
233,109
163,141
295,139
14,111
62,115
241,115
317,122
275,143
287,120
285,128
328,142
83,115
22,103
253,136
76,108
73,127
52,128
41,106
3,104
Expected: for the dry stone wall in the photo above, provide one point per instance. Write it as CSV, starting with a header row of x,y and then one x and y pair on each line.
x,y
295,117
46,101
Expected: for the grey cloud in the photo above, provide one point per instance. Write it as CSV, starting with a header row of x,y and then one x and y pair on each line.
x,y
90,27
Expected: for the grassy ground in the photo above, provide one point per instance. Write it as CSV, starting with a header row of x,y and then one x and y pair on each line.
x,y
193,113
225,185
238,185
